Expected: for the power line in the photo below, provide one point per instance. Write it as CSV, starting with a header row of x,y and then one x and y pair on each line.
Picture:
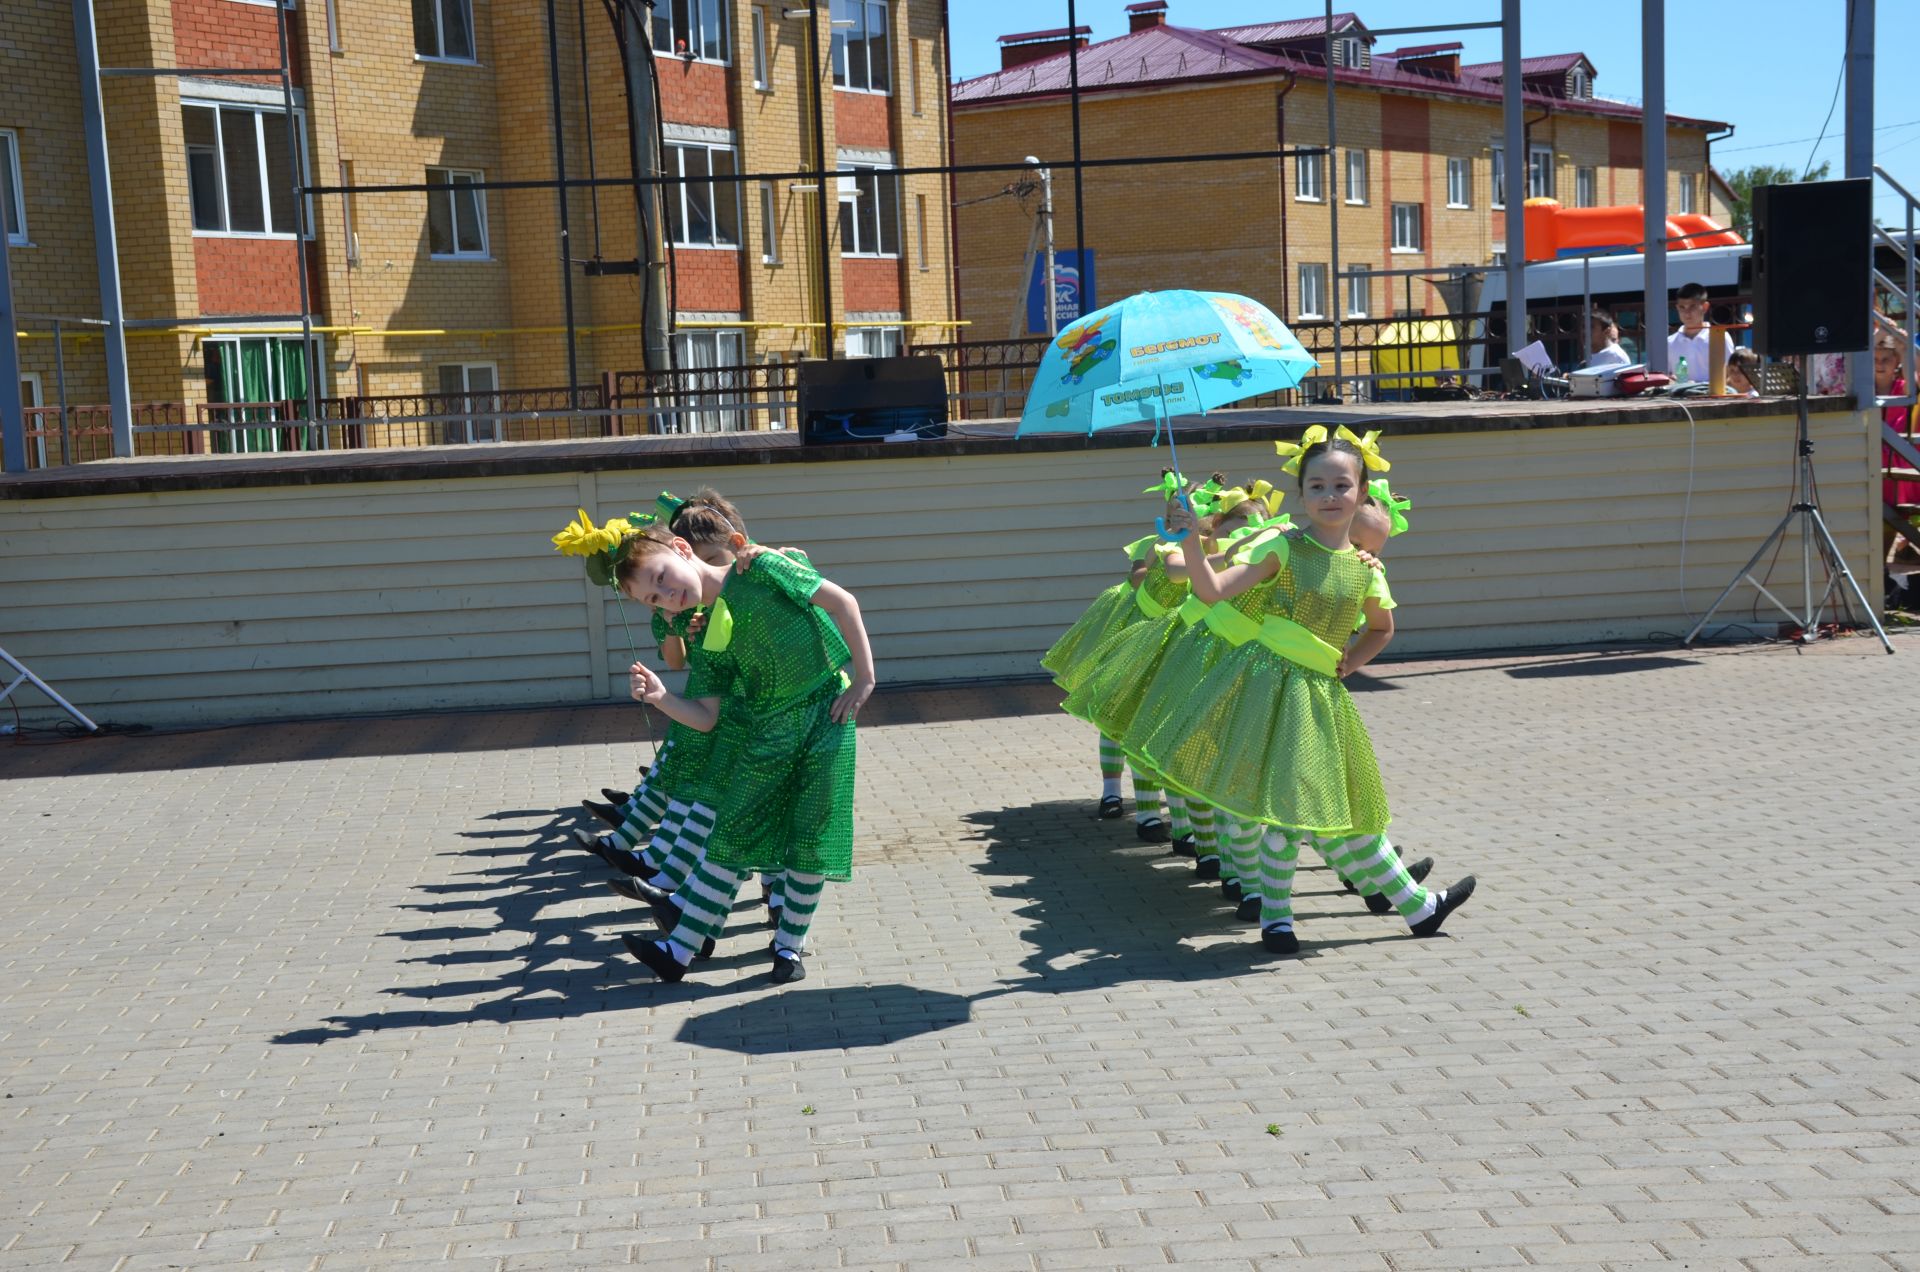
x,y
1770,145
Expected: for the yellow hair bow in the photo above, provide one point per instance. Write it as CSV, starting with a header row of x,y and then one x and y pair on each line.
x,y
1264,491
1368,446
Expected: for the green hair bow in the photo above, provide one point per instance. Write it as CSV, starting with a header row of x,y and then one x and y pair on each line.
x,y
1396,506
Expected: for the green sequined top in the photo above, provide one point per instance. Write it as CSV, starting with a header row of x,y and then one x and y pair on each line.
x,y
782,646
1323,590
665,625
1164,590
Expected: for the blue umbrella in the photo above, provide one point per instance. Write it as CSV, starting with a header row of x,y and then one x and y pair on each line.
x,y
1159,354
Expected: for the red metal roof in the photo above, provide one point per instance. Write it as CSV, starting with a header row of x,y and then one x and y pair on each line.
x,y
1424,50
1058,33
1529,66
1170,54
1147,6
1291,29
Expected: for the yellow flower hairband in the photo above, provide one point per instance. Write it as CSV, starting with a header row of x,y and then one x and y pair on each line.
x,y
1262,494
582,538
1368,446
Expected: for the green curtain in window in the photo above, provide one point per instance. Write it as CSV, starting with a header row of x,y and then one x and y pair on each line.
x,y
292,369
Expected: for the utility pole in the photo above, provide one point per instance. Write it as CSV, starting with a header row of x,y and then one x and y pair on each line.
x,y
643,145
1653,180
1859,146
13,420
1051,295
1513,114
106,249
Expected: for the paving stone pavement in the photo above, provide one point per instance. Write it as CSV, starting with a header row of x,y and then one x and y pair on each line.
x,y
340,995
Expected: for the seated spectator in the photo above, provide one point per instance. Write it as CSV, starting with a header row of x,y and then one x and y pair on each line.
x,y
1743,372
1605,342
1690,342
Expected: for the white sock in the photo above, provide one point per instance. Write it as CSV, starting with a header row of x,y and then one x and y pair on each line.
x,y
1109,788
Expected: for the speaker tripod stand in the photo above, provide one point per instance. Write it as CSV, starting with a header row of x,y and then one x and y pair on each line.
x,y
27,677
1814,539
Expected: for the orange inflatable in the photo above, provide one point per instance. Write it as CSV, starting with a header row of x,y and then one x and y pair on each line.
x,y
1554,231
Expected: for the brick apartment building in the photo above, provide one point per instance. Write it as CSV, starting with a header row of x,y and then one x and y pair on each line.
x,y
461,291
1418,169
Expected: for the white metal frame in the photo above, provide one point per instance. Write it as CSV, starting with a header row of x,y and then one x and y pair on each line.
x,y
1318,273
32,394
18,184
841,56
474,421
260,110
1586,187
762,52
1359,287
1359,199
1544,189
28,678
851,194
676,158
769,223
453,213
1464,167
663,15
1309,164
1419,237
440,38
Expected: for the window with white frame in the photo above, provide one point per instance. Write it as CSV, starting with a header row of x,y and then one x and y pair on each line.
x,y
875,342
703,212
869,211
1358,287
862,58
1356,176
1406,227
913,74
475,383
769,225
762,71
1346,52
457,214
1578,85
694,29
1540,172
1309,178
1583,188
249,378
443,30
776,392
711,361
333,26
1459,183
240,169
920,219
1499,177
13,198
1313,291
1685,203
1499,254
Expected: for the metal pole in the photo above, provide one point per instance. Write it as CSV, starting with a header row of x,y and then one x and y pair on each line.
x,y
586,115
1329,190
643,109
1653,180
1514,131
13,418
1859,143
309,356
1079,193
560,192
1586,310
1052,294
106,247
60,387
824,276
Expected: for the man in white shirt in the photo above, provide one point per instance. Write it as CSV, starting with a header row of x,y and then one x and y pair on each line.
x,y
1690,342
1605,343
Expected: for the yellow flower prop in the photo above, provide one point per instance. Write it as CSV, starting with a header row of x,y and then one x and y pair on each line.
x,y
582,539
1368,446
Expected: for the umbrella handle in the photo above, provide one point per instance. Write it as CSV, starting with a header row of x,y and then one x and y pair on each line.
x,y
1173,454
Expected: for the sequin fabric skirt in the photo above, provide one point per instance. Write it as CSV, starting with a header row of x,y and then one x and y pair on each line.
x,y
682,761
1269,741
781,787
1118,674
1112,611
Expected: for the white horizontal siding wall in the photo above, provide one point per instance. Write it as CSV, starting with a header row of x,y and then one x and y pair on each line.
x,y
314,600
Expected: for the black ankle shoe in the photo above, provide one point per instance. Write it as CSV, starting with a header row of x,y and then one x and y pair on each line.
x,y
605,812
1347,885
617,858
1110,807
636,889
1248,910
1207,868
788,967
1279,940
616,798
1377,903
1185,846
1231,889
1153,831
1450,900
666,912
1420,869
654,955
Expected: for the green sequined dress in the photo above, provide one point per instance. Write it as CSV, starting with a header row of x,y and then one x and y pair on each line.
x,y
684,753
780,779
1264,736
1112,611
1115,676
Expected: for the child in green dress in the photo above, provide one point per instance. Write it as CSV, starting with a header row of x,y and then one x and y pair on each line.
x,y
777,790
1269,732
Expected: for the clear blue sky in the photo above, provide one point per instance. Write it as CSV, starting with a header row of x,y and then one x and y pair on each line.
x,y
1768,66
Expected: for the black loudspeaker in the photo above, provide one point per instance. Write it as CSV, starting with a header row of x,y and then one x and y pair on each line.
x,y
872,400
1812,253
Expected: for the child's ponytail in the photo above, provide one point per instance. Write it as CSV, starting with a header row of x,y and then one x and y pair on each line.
x,y
709,519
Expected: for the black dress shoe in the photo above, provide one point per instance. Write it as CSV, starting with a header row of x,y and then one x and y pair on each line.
x,y
1231,889
1377,903
1110,807
616,798
1450,900
1248,909
1153,831
1280,940
788,967
605,812
658,960
637,889
620,859
1208,868
1420,869
666,912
